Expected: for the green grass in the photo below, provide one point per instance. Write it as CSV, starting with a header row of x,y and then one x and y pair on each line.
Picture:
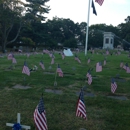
x,y
103,113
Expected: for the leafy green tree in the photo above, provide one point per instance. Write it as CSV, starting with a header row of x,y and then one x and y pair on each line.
x,y
71,43
10,14
61,30
35,10
124,30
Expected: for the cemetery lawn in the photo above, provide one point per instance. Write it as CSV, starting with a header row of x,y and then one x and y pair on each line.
x,y
103,111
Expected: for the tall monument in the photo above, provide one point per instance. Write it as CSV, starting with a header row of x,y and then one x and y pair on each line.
x,y
108,40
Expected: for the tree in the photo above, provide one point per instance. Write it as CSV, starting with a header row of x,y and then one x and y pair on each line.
x,y
14,13
124,30
35,10
10,14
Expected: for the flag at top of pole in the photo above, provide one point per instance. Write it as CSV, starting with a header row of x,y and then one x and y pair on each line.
x,y
100,2
94,10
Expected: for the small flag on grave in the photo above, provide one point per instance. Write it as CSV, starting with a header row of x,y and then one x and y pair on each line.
x,y
10,56
125,66
77,59
52,60
81,108
105,61
127,69
14,60
113,85
88,60
121,64
89,77
42,65
26,69
40,116
59,71
99,67
63,55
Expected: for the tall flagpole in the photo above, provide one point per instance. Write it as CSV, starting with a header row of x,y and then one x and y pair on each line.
x,y
87,27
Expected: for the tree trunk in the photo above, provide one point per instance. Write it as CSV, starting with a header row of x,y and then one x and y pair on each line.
x,y
3,47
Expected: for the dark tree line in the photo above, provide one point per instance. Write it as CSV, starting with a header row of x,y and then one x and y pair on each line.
x,y
25,23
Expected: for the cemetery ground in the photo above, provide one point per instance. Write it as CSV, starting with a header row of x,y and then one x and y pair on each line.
x,y
20,93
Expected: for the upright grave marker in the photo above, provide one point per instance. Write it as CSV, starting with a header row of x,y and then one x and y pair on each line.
x,y
18,121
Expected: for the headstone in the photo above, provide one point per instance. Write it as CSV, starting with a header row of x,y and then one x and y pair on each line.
x,y
54,91
118,97
18,121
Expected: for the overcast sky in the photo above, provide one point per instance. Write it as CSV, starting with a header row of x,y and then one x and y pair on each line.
x,y
111,12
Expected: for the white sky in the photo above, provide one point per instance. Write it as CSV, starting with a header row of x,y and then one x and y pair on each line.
x,y
111,12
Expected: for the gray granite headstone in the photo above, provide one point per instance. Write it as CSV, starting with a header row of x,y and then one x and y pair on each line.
x,y
53,91
21,87
118,97
48,72
88,94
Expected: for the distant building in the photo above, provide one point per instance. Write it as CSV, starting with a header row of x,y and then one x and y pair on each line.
x,y
108,40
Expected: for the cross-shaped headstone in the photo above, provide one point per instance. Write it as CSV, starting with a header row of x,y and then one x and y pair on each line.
x,y
18,121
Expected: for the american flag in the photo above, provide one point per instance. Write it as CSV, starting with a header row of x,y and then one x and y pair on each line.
x,y
42,65
88,60
104,61
107,52
40,116
125,66
89,77
26,69
59,71
121,64
63,56
50,54
81,109
100,2
127,69
20,50
98,67
113,85
46,51
52,60
76,58
10,56
14,60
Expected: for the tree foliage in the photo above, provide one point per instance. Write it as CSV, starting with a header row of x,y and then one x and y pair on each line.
x,y
24,22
